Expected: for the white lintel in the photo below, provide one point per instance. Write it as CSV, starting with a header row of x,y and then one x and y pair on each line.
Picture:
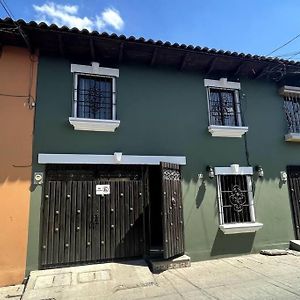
x,y
222,83
230,171
47,158
94,69
288,90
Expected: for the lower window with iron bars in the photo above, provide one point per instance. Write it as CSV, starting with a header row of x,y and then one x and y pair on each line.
x,y
236,203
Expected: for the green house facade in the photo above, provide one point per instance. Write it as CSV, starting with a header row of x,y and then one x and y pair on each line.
x,y
145,149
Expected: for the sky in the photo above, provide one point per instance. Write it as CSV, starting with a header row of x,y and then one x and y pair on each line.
x,y
249,26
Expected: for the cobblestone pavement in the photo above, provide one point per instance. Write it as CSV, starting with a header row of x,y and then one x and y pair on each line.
x,y
244,277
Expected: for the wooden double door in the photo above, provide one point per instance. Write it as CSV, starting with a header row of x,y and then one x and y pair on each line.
x,y
92,214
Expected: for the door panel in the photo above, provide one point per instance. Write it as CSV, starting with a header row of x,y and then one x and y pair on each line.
x,y
294,190
79,226
172,214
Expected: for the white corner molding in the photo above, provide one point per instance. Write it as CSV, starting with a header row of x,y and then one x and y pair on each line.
x,y
222,83
94,124
94,69
240,227
292,137
116,158
288,90
227,131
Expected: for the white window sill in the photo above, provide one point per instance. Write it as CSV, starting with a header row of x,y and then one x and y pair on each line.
x,y
94,124
227,131
292,137
240,227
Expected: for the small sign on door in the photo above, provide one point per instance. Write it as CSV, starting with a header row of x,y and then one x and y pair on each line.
x,y
102,189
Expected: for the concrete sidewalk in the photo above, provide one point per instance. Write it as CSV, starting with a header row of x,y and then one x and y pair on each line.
x,y
245,277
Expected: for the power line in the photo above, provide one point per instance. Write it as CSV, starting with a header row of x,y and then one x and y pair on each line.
x,y
9,13
295,54
280,47
6,8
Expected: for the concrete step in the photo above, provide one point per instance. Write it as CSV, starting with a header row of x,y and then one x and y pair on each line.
x,y
295,245
99,281
159,265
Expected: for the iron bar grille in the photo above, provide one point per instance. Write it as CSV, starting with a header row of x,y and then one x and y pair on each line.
x,y
234,198
224,108
292,112
94,97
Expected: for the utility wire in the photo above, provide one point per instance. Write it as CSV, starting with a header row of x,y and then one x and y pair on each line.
x,y
280,47
29,97
287,54
295,54
6,8
9,13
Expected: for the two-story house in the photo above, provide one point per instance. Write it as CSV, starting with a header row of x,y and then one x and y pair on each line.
x,y
153,149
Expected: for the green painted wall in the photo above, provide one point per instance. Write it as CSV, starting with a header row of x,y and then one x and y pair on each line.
x,y
164,112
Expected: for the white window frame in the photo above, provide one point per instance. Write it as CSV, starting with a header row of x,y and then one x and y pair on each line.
x,y
290,91
94,124
221,130
243,227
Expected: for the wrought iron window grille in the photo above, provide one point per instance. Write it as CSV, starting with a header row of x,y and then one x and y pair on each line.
x,y
292,112
224,107
235,199
94,97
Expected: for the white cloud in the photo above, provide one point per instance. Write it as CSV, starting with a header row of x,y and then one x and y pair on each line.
x,y
69,15
112,17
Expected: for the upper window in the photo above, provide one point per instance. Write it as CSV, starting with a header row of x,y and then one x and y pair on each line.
x,y
94,98
224,111
235,199
224,108
291,104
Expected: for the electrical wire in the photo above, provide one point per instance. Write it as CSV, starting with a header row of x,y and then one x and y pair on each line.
x,y
295,54
30,98
9,13
6,8
280,47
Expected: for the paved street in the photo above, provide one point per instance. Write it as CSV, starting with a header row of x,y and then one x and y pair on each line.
x,y
245,277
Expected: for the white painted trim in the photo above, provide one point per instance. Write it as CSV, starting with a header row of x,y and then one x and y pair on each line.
x,y
288,90
222,83
227,131
94,69
240,227
45,158
229,171
292,137
94,124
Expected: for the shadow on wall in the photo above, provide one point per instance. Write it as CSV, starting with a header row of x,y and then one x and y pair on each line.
x,y
227,243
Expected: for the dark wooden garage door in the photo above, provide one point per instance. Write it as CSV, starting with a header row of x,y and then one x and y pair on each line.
x,y
81,226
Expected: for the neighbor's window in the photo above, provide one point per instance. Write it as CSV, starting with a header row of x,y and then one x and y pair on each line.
x,y
235,199
224,107
94,97
292,112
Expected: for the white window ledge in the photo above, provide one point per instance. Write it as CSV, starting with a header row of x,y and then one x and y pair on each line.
x,y
94,124
240,227
227,131
292,137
